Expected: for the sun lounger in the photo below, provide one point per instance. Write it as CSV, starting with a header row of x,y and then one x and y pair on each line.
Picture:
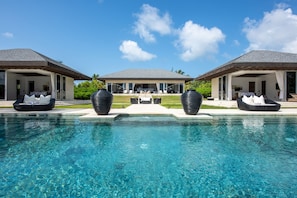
x,y
32,103
157,100
134,100
249,105
145,98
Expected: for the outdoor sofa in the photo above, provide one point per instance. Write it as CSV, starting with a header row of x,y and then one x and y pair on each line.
x,y
145,100
255,103
32,103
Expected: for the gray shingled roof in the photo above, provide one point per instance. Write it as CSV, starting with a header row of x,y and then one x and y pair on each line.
x,y
255,60
29,59
266,56
145,74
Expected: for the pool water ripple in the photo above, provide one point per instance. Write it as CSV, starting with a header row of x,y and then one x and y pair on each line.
x,y
155,157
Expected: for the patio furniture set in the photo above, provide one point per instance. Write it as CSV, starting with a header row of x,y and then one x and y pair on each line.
x,y
45,103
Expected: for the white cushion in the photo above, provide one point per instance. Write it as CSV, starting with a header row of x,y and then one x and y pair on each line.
x,y
145,99
248,100
29,99
262,100
44,100
36,101
244,99
259,100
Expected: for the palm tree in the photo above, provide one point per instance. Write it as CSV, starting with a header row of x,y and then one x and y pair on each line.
x,y
95,76
180,72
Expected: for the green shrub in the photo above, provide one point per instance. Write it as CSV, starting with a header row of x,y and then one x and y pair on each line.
x,y
205,89
84,90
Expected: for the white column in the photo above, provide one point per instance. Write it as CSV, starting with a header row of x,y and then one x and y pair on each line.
x,y
53,84
229,87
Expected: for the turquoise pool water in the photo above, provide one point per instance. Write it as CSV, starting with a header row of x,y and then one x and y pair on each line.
x,y
146,156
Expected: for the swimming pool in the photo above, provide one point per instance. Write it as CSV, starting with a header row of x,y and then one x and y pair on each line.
x,y
148,156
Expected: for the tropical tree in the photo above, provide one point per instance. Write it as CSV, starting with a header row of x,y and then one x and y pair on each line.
x,y
180,72
85,89
95,76
203,87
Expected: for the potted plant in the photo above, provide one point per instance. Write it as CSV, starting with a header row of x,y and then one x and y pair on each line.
x,y
191,101
102,101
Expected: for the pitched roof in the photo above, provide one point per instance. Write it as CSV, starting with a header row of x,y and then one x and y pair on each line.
x,y
29,59
255,60
145,74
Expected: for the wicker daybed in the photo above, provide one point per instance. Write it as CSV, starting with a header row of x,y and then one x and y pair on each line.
x,y
249,105
32,103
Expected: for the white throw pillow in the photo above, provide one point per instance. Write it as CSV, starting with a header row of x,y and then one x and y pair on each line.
x,y
36,101
44,100
259,100
29,99
248,100
244,99
262,100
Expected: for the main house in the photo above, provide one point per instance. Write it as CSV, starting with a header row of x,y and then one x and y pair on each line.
x,y
24,71
143,80
259,72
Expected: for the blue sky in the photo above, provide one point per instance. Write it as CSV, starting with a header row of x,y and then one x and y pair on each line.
x,y
106,36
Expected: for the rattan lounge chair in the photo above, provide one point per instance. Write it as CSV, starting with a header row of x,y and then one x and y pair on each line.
x,y
269,105
19,105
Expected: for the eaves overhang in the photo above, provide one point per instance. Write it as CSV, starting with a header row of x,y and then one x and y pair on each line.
x,y
234,67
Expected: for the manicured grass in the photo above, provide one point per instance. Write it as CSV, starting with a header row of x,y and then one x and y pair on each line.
x,y
76,106
89,106
123,101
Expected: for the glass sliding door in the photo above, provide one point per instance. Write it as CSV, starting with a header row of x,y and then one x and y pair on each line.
x,y
2,84
291,83
31,86
64,87
130,87
18,88
109,87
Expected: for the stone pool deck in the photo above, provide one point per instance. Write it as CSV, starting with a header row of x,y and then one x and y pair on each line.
x,y
288,109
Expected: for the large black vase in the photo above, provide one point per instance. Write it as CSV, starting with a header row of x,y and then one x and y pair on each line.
x,y
102,100
191,101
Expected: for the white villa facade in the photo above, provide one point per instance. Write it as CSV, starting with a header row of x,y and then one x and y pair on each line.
x,y
259,72
24,71
145,80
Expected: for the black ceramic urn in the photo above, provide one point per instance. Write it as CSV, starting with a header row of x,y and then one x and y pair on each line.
x,y
191,101
102,100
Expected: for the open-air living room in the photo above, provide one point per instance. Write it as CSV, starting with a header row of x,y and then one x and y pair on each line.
x,y
260,72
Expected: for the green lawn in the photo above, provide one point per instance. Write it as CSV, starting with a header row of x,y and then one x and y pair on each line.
x,y
123,101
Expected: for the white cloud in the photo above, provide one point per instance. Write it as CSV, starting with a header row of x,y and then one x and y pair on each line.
x,y
7,34
133,52
196,41
276,31
149,21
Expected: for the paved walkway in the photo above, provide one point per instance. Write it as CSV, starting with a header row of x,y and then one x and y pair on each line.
x,y
220,103
154,109
287,108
